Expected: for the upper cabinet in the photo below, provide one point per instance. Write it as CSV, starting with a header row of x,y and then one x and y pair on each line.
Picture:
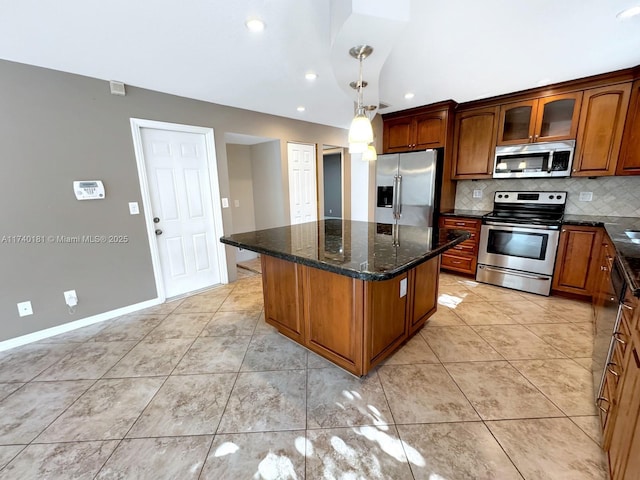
x,y
546,119
474,143
416,132
602,120
629,160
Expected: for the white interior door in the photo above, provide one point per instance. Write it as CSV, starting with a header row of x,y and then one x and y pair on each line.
x,y
176,164
303,200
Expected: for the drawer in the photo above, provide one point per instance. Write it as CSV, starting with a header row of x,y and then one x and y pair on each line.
x,y
466,247
462,223
459,263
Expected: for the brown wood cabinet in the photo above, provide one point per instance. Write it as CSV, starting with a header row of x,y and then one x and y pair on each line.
x,y
602,119
351,322
474,143
578,260
545,119
622,395
462,258
415,132
629,160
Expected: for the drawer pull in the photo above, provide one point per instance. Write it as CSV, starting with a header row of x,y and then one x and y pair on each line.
x,y
599,402
618,339
611,370
460,224
624,305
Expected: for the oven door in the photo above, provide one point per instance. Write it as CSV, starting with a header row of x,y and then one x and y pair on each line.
x,y
525,248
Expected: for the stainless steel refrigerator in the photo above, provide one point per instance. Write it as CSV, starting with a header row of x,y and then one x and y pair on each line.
x,y
406,188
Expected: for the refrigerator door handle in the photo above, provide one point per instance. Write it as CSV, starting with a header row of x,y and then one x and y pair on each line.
x,y
399,197
395,197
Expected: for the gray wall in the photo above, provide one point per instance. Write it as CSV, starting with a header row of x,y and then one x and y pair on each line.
x,y
241,187
56,128
271,184
612,196
332,168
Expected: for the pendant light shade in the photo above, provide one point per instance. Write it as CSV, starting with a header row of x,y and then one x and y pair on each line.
x,y
370,154
360,130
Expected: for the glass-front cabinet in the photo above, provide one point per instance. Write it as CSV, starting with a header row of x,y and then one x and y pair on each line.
x,y
545,119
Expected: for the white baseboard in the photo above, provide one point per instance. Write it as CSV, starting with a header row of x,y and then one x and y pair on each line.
x,y
83,322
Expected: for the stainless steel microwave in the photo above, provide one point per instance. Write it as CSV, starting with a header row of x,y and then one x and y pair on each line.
x,y
530,160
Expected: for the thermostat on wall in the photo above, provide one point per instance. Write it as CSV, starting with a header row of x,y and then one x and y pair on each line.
x,y
88,189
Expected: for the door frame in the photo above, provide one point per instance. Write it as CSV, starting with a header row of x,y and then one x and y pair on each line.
x,y
137,124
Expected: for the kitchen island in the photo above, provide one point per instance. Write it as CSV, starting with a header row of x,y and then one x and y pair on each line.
x,y
350,291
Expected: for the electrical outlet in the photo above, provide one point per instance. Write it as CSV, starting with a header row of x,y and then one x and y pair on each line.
x,y
403,287
70,298
225,202
477,193
586,196
134,208
236,203
24,309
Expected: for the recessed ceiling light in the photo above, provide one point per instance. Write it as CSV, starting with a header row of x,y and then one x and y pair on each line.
x,y
301,108
254,25
310,75
628,13
409,95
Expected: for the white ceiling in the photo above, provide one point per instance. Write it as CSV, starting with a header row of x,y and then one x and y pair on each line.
x,y
447,49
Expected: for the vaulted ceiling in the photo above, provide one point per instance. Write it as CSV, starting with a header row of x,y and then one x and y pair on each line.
x,y
437,50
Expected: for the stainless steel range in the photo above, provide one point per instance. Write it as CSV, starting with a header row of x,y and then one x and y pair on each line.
x,y
519,240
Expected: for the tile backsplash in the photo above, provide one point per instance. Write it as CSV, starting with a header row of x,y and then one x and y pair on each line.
x,y
612,196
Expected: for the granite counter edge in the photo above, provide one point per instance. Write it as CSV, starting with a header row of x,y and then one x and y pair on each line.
x,y
366,276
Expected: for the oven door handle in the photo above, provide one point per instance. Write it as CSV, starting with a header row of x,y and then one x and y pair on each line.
x,y
521,225
518,274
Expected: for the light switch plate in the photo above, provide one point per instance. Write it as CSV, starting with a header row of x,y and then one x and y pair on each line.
x,y
225,203
236,203
134,209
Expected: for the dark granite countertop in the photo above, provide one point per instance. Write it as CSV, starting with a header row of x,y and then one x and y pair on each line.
x,y
465,213
628,252
363,250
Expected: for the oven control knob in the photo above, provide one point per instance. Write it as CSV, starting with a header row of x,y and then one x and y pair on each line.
x,y
506,196
499,196
559,197
550,197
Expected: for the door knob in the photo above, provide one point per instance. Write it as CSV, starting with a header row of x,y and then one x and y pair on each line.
x,y
156,219
158,232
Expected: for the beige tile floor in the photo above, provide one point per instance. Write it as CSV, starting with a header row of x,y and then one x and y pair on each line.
x,y
496,386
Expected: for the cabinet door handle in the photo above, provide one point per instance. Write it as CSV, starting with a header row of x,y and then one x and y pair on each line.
x,y
530,137
624,305
610,369
618,339
599,401
535,137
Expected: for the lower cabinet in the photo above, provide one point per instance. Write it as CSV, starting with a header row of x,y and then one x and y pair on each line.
x,y
622,426
578,260
462,258
352,323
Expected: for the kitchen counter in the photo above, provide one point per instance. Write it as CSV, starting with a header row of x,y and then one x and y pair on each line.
x,y
465,213
627,251
363,250
352,292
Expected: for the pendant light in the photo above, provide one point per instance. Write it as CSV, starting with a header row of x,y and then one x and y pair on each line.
x,y
360,131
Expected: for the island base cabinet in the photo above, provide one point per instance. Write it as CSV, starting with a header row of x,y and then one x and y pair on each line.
x,y
353,323
333,318
281,287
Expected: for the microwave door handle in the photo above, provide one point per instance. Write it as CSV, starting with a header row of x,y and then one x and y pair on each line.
x,y
550,162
